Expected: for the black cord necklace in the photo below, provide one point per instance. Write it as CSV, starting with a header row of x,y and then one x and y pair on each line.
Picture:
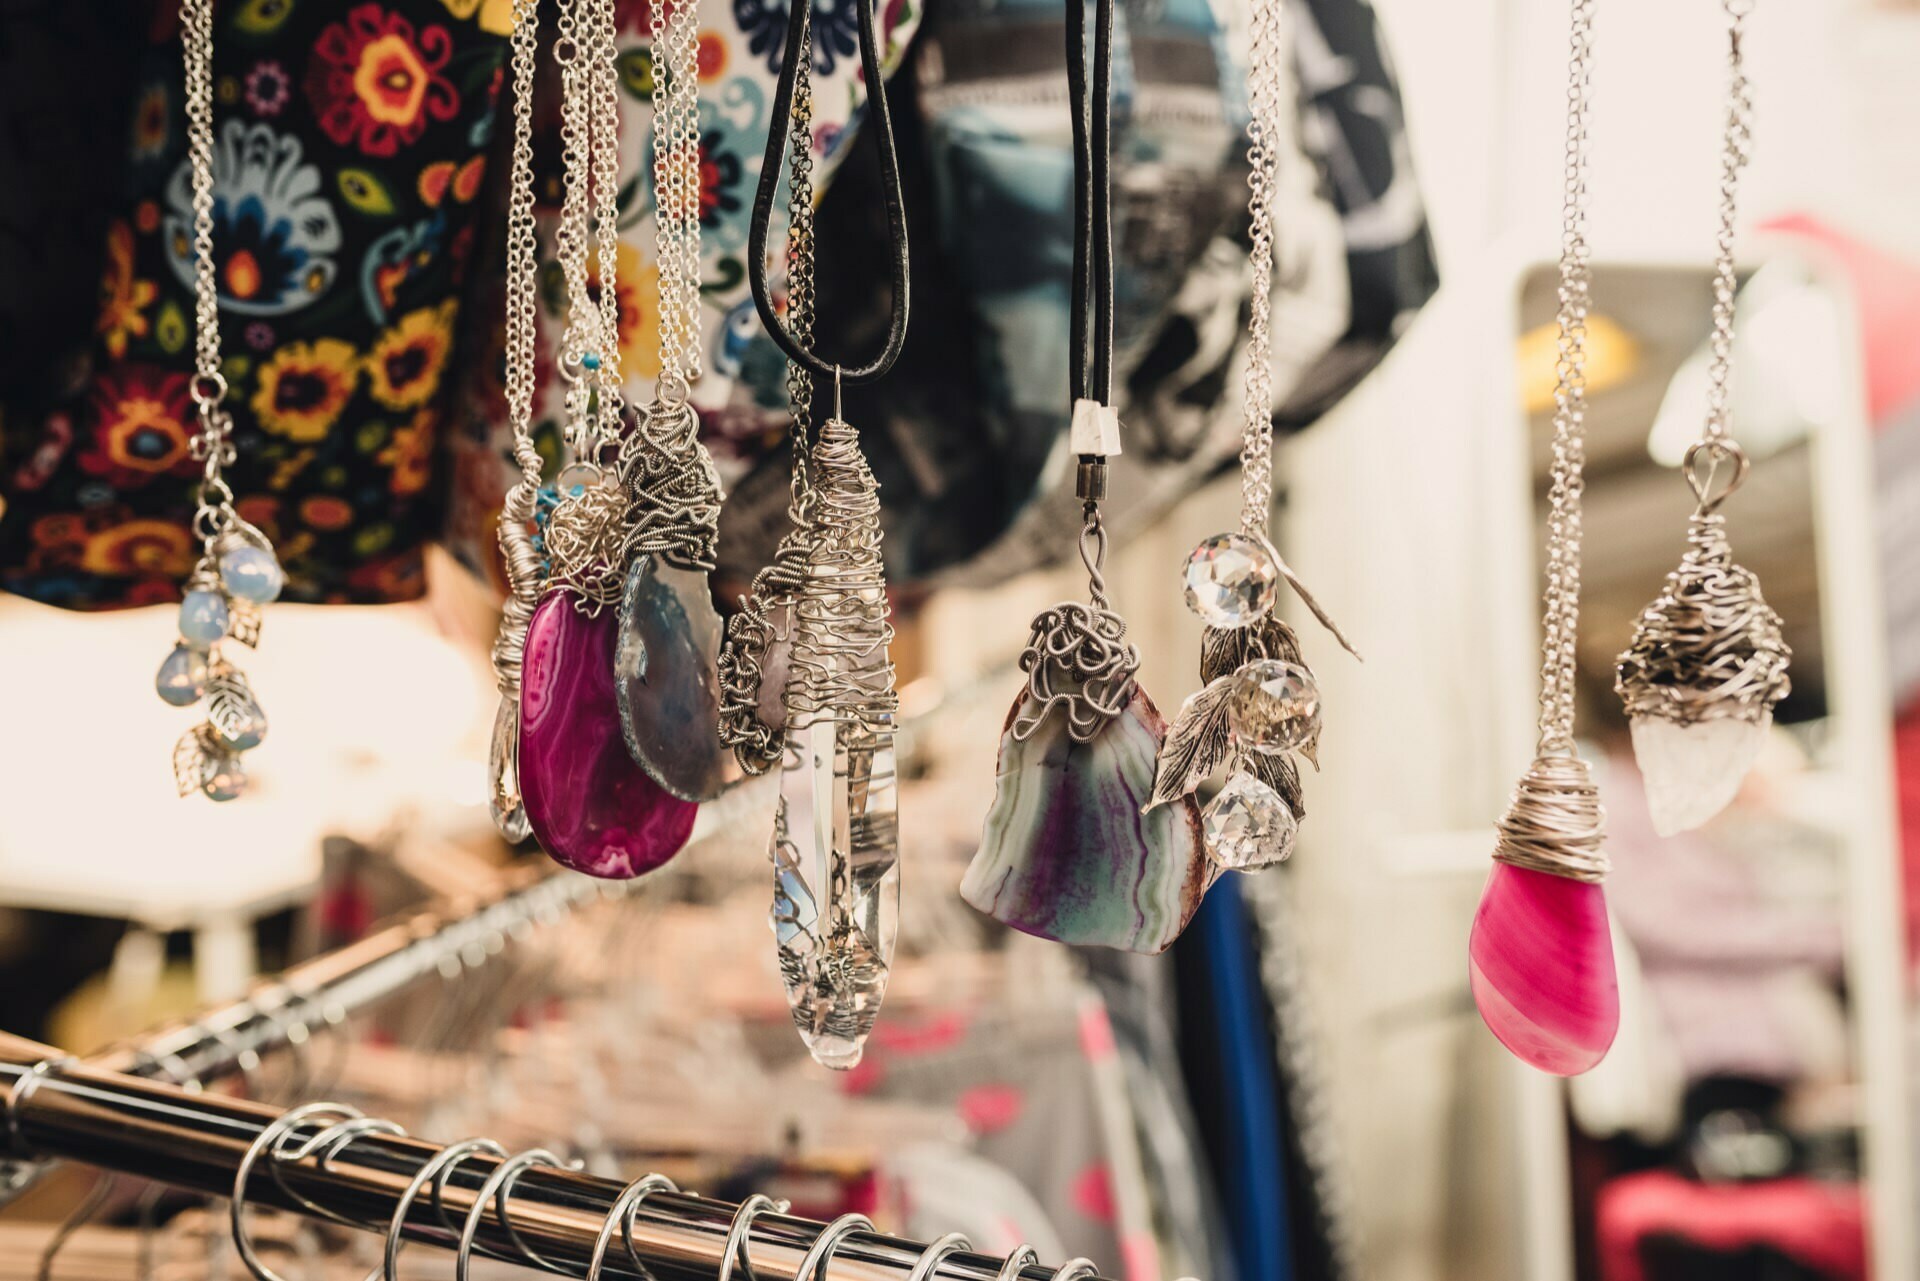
x,y
794,71
1092,360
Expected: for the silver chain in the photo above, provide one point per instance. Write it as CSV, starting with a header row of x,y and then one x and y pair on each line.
x,y
1736,149
1561,622
675,33
1266,120
589,140
213,444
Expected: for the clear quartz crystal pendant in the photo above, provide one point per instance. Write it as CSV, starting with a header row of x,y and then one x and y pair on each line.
x,y
1231,580
836,884
503,775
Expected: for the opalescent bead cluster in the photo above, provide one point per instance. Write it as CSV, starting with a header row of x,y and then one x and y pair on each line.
x,y
222,602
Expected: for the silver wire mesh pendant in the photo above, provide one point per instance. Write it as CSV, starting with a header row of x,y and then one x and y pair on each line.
x,y
1707,664
756,658
835,848
584,540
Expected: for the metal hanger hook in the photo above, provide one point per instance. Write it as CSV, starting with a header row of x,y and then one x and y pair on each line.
x,y
741,1228
929,1261
620,1216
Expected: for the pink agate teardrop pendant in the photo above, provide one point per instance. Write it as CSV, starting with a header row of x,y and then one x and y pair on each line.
x,y
1540,959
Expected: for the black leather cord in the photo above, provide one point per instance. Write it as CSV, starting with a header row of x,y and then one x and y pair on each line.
x,y
880,125
1092,375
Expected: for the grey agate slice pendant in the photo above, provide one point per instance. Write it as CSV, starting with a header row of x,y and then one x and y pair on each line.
x,y
836,873
1069,855
664,674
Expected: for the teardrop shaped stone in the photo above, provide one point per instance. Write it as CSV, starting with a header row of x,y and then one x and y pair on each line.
x,y
591,807
1692,772
666,673
182,679
1067,855
1541,965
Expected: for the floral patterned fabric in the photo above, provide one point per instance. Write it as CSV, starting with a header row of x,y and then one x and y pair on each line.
x,y
350,154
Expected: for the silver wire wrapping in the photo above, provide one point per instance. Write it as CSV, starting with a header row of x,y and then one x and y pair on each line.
x,y
672,490
585,538
1077,657
1708,646
1554,822
841,629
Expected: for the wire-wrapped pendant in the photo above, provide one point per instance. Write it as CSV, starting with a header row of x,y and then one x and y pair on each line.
x,y
1707,664
835,848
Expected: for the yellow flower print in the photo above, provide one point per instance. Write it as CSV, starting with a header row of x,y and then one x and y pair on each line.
x,y
639,293
410,454
404,367
123,300
303,387
496,16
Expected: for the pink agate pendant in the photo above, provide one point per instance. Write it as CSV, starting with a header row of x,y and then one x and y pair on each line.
x,y
590,806
1540,958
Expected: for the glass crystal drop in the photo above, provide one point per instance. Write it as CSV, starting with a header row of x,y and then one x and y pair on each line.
x,y
203,618
252,573
222,778
1248,825
1274,706
1693,771
503,775
836,899
182,679
1231,580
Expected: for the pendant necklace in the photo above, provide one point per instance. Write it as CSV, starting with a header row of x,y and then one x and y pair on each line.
x,y
835,845
1066,852
669,648
590,805
1260,703
1708,661
1540,958
237,572
525,572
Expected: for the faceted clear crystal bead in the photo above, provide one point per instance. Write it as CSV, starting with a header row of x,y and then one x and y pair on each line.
x,y
1274,707
1248,825
1231,580
182,679
503,775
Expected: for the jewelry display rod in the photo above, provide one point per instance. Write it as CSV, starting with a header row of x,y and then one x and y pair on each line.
x,y
323,992
552,1220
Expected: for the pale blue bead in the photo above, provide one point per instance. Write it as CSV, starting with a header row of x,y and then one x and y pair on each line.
x,y
223,780
248,733
252,574
183,676
203,618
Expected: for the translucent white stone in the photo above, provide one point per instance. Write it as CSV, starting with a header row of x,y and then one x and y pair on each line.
x,y
252,574
1692,771
1274,706
182,679
503,775
1248,825
203,618
1231,580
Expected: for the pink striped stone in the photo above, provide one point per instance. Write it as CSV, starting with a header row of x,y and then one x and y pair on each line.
x,y
1541,965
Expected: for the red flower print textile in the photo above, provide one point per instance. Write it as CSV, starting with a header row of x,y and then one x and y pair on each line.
x,y
375,81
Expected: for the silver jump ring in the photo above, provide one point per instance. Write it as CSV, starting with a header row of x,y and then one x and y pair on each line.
x,y
620,1218
444,1159
739,1230
268,1138
813,1266
929,1260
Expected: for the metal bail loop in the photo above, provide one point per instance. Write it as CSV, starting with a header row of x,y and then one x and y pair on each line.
x,y
1714,452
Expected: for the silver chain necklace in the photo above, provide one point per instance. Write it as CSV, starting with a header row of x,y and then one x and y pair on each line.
x,y
237,572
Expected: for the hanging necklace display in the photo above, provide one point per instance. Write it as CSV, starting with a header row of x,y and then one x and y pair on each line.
x,y
591,807
237,572
835,846
1708,662
1067,852
670,633
1260,702
517,552
1540,959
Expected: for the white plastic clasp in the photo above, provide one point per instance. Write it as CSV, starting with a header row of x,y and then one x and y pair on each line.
x,y
1096,429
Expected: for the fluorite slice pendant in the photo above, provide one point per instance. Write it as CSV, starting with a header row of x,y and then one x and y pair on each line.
x,y
836,897
1067,853
591,807
1540,961
665,674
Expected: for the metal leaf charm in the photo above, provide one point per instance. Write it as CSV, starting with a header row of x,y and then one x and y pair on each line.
x,y
189,760
1196,743
1282,775
243,622
232,713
